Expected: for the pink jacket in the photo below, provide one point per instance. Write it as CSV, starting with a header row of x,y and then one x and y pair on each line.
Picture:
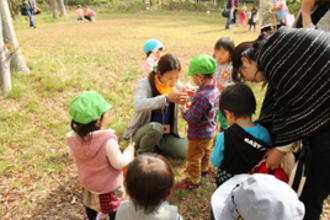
x,y
95,171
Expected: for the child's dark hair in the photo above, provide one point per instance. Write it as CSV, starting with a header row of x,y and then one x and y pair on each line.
x,y
84,129
238,99
149,181
226,43
209,76
246,49
148,54
166,63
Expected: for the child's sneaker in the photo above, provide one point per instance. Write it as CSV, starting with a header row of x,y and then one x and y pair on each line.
x,y
186,184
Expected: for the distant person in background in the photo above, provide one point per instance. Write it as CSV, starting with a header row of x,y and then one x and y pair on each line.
x,y
267,14
314,14
230,7
236,3
89,14
153,49
253,19
242,16
28,6
80,14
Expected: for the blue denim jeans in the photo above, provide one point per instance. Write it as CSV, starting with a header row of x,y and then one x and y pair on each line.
x,y
229,19
30,15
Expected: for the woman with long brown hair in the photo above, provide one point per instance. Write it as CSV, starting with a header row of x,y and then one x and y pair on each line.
x,y
153,126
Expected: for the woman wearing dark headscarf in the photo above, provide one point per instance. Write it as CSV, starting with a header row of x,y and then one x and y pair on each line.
x,y
295,65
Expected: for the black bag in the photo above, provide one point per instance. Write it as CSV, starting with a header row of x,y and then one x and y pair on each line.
x,y
226,12
23,11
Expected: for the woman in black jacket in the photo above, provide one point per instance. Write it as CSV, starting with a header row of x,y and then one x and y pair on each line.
x,y
295,65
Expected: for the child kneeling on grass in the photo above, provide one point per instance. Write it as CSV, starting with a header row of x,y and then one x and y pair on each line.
x,y
149,182
97,154
241,146
200,118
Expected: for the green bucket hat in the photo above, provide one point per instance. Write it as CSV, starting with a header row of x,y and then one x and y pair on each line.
x,y
88,106
202,64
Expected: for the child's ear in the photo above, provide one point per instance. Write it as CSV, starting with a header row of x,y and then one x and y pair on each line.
x,y
98,122
245,60
229,115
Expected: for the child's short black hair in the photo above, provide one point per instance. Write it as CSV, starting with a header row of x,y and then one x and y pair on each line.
x,y
149,181
209,76
84,129
238,99
226,43
148,54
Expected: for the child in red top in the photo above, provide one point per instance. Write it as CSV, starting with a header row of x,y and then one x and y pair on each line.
x,y
242,16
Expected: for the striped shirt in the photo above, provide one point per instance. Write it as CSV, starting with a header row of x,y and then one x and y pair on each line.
x,y
201,114
295,63
149,64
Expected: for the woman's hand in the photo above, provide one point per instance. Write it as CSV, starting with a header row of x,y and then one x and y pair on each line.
x,y
177,97
273,158
191,91
307,7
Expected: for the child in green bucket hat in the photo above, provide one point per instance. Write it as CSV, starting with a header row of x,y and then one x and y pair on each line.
x,y
97,154
200,118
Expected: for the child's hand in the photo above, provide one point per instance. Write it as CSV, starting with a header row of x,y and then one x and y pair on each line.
x,y
131,147
177,97
220,86
273,158
191,92
182,107
189,89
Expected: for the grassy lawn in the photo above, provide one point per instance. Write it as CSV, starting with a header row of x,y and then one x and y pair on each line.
x,y
38,179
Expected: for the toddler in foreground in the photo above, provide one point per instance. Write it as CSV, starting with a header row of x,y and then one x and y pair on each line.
x,y
149,183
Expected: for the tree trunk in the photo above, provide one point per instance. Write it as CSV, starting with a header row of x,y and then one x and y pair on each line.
x,y
62,8
17,61
5,80
52,4
14,9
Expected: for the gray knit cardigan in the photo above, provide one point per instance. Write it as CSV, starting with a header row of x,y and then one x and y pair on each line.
x,y
144,104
